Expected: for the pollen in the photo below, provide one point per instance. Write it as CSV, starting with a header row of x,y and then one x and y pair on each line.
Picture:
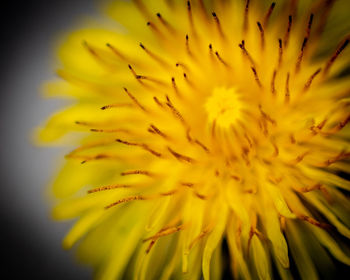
x,y
206,136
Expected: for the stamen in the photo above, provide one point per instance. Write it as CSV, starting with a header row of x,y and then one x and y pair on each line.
x,y
268,14
267,116
169,193
133,98
248,140
309,81
127,199
262,35
301,54
221,60
213,129
304,45
188,46
137,172
256,77
235,177
151,79
252,232
274,180
94,53
107,188
326,195
109,130
315,128
150,246
190,17
199,237
287,35
245,20
321,124
134,74
314,222
141,145
127,143
200,196
211,52
273,88
338,127
343,123
341,156
280,52
299,158
91,158
201,145
187,80
292,139
218,25
120,105
246,53
276,150
161,61
311,188
164,233
165,23
334,56
156,100
154,29
308,30
182,65
176,113
181,157
263,127
83,123
156,130
173,82
287,92
187,184
116,52
91,50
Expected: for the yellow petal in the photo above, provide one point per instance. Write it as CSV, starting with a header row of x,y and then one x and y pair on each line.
x,y
279,201
236,253
327,177
303,260
82,226
127,235
329,215
275,235
213,241
327,241
260,258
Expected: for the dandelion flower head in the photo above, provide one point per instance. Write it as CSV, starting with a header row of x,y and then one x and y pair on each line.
x,y
208,134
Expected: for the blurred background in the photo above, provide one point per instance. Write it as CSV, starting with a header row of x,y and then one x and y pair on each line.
x,y
30,240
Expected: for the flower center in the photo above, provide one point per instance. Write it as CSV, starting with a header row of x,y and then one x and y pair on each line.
x,y
224,106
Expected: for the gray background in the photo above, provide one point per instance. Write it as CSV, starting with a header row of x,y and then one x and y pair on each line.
x,y
30,240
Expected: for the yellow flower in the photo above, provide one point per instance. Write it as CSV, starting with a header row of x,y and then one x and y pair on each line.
x,y
206,127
